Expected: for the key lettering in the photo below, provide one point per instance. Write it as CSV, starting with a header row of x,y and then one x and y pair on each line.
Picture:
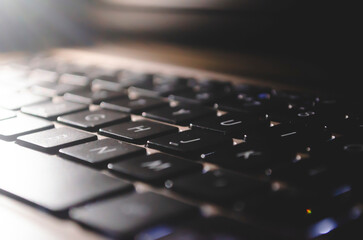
x,y
58,137
156,165
184,142
102,150
190,141
306,114
230,122
139,128
288,134
181,112
247,154
140,101
353,148
95,117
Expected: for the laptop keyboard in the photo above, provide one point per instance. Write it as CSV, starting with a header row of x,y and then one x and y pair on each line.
x,y
214,160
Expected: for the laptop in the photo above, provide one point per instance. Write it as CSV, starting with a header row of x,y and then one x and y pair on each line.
x,y
171,120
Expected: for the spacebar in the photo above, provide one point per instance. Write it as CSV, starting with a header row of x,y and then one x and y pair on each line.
x,y
50,182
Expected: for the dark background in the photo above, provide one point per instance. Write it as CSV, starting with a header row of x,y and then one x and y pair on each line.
x,y
316,33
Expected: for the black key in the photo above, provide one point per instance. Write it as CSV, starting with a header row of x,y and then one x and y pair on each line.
x,y
138,132
93,97
54,89
294,100
154,168
122,80
197,97
163,85
133,105
252,89
100,152
5,114
291,136
242,103
17,100
11,128
126,215
53,110
158,90
49,182
232,124
93,120
218,186
296,208
52,140
180,115
249,158
212,85
342,156
350,127
191,143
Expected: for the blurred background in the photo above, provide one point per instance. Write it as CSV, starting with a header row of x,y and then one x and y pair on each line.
x,y
41,24
320,37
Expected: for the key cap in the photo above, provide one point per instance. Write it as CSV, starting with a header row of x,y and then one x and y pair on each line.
x,y
249,158
134,78
52,183
190,144
105,82
158,90
75,78
99,153
154,168
197,97
41,75
291,136
138,132
5,114
343,155
122,80
293,208
11,128
251,89
93,120
126,215
52,140
93,97
219,186
306,173
180,115
163,86
352,127
52,110
17,100
54,89
212,85
242,103
135,106
232,124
